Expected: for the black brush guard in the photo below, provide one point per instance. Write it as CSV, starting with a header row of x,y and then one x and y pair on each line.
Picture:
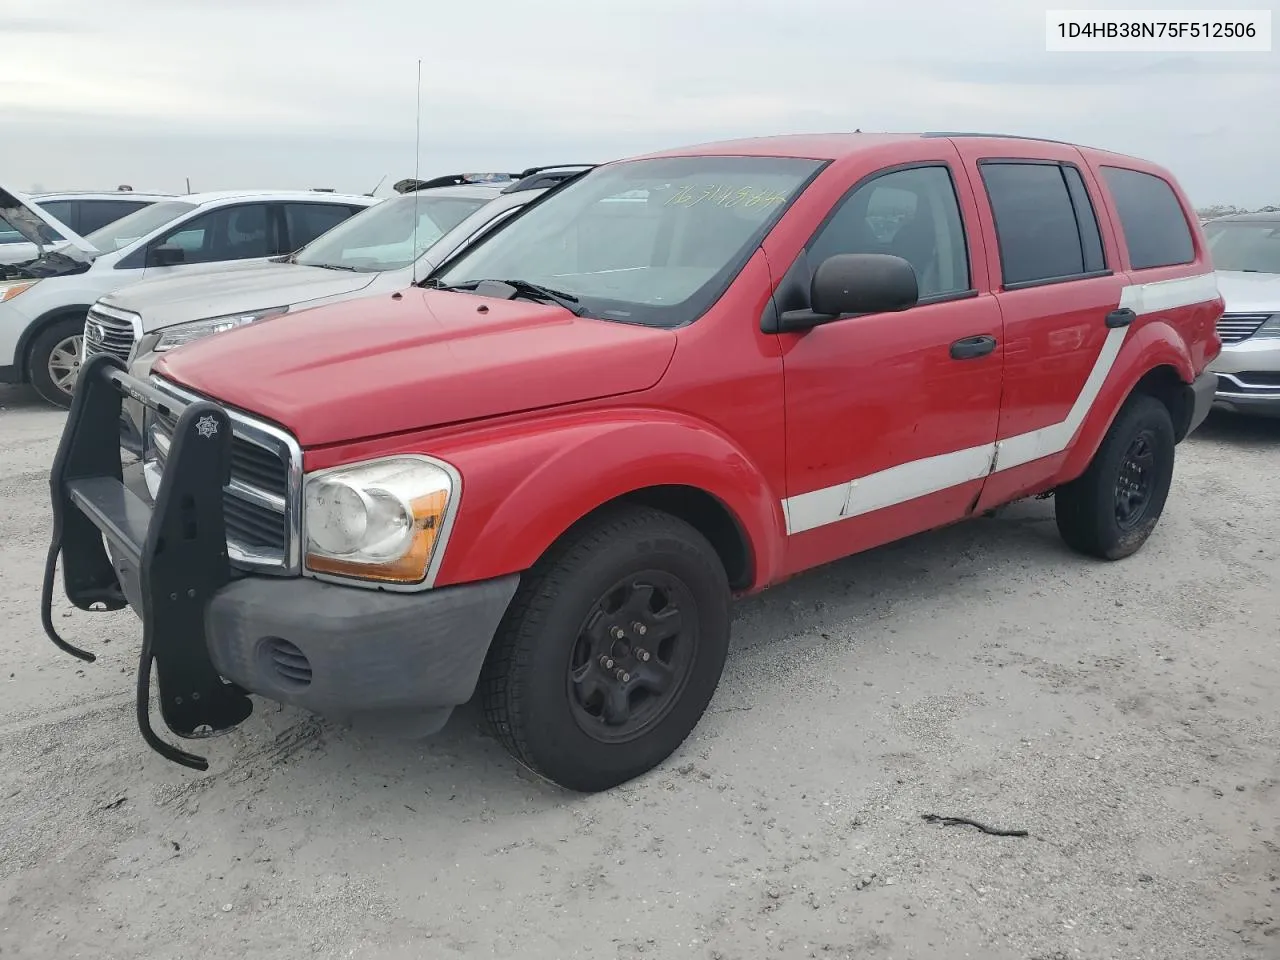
x,y
177,549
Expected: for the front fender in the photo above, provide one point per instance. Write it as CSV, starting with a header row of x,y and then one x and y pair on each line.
x,y
525,484
1154,344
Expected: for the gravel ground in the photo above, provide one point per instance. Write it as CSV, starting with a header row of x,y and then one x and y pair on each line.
x,y
1123,714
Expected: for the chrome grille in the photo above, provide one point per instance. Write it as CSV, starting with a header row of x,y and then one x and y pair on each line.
x,y
105,332
1234,327
260,504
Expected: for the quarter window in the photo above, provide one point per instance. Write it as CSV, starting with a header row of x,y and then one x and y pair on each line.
x,y
1155,228
913,214
1045,223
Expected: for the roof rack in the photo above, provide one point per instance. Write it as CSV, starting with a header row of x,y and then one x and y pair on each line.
x,y
410,185
997,136
552,175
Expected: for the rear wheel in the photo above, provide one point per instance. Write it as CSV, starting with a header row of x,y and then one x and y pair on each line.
x,y
611,650
1112,508
53,362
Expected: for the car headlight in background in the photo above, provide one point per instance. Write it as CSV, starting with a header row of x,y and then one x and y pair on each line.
x,y
11,288
380,521
1270,329
185,333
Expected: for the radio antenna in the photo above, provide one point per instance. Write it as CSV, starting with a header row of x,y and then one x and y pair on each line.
x,y
417,160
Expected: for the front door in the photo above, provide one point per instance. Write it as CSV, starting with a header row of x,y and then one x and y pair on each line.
x,y
891,418
228,234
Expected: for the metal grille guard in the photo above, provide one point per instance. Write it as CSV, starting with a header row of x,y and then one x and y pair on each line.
x,y
177,549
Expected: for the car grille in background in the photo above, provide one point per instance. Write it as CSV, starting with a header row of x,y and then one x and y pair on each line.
x,y
1234,327
255,504
107,334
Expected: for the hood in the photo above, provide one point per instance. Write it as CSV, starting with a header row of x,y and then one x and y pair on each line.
x,y
1249,292
179,299
382,365
36,225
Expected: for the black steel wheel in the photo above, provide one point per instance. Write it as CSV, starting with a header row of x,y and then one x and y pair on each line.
x,y
610,651
633,656
1111,509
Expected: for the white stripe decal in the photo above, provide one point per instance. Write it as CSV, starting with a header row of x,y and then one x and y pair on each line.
x,y
918,478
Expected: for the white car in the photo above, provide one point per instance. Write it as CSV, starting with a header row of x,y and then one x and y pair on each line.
x,y
1245,248
43,304
82,210
381,250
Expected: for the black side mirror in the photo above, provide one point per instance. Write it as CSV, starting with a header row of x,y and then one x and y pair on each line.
x,y
853,283
166,256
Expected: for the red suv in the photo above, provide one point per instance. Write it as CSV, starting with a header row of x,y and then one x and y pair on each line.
x,y
543,475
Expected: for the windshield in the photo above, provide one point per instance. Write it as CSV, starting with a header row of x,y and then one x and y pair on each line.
x,y
122,232
645,241
1252,247
382,237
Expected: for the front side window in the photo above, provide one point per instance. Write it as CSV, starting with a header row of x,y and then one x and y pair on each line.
x,y
390,234
242,232
96,214
1155,228
1249,247
643,241
913,214
62,211
135,226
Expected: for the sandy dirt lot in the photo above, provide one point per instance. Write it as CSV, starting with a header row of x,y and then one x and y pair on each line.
x,y
1126,715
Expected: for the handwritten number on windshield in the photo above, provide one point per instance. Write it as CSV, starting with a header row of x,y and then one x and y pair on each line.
x,y
723,195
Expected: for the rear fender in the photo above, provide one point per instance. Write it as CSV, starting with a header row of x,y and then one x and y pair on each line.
x,y
1154,344
525,484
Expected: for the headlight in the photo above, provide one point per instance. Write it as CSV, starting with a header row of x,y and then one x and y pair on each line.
x,y
1270,329
199,329
12,288
381,521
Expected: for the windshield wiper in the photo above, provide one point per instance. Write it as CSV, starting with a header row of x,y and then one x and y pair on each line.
x,y
331,266
522,288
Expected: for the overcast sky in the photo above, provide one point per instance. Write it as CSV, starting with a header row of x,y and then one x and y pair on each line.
x,y
308,93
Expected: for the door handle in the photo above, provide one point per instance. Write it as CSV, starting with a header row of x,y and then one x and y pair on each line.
x,y
1120,318
971,347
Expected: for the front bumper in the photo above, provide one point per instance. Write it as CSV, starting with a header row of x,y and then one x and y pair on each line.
x,y
376,659
1248,377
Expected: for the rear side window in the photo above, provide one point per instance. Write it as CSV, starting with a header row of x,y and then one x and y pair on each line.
x,y
306,221
1155,228
1045,223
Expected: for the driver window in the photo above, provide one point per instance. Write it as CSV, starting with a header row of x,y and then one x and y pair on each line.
x,y
913,214
228,233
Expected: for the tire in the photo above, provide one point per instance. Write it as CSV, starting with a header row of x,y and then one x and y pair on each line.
x,y
50,344
1090,510
559,628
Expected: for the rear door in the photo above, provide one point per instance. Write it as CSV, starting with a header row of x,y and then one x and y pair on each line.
x,y
890,424
1056,280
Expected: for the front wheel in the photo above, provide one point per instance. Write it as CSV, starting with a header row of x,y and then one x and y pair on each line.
x,y
610,651
1112,508
54,360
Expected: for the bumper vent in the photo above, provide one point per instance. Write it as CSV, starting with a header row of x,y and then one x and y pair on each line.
x,y
289,664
